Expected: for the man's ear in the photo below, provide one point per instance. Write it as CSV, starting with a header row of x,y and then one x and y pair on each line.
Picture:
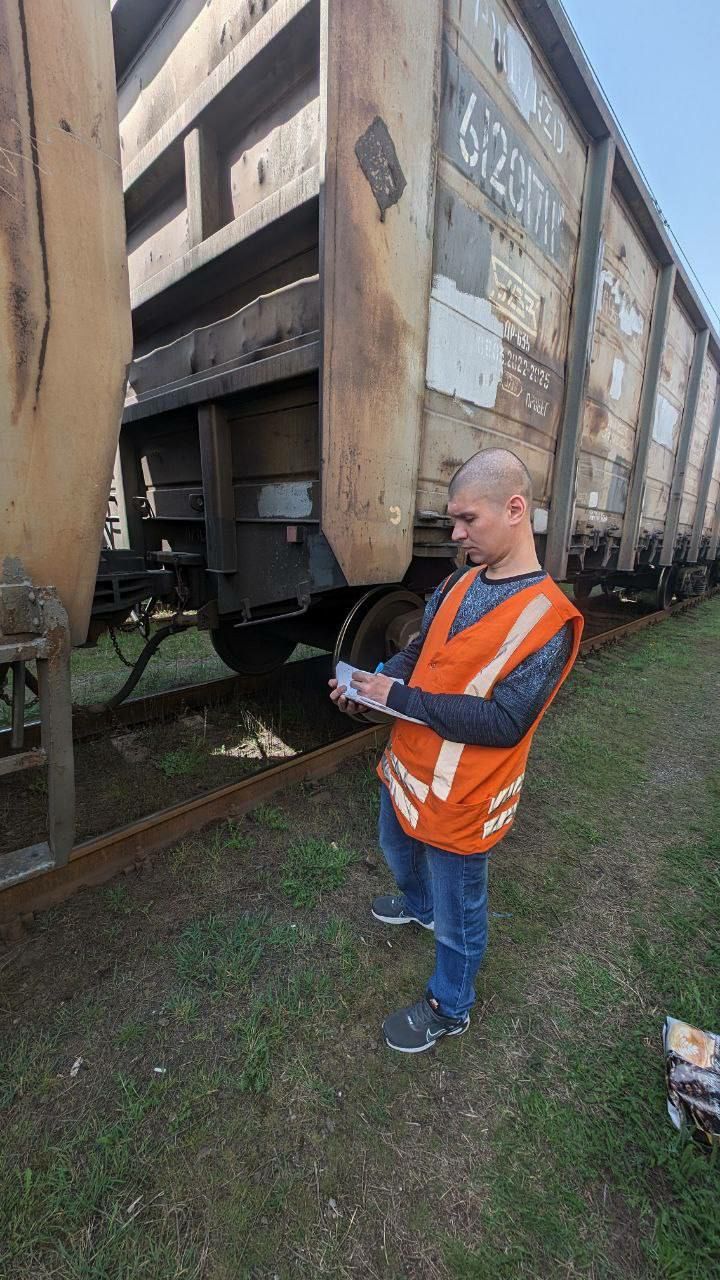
x,y
516,508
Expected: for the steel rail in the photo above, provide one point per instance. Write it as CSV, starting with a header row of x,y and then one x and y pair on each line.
x,y
604,638
168,703
94,861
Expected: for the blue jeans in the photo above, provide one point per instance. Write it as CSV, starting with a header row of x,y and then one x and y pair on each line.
x,y
451,889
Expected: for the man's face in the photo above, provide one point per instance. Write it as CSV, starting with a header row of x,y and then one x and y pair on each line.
x,y
481,526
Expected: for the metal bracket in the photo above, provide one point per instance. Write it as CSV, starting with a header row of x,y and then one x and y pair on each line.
x,y
304,599
34,628
20,610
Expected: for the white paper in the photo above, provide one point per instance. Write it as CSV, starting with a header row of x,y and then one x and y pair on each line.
x,y
343,675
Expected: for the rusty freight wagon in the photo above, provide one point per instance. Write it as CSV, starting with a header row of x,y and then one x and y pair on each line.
x,y
65,346
365,240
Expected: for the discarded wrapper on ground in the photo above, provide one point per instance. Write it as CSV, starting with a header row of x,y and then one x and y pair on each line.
x,y
692,1069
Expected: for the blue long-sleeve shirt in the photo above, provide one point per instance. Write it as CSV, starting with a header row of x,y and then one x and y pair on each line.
x,y
504,718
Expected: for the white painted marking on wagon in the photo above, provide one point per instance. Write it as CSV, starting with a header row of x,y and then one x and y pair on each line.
x,y
470,157
520,74
514,298
618,371
626,315
465,352
665,421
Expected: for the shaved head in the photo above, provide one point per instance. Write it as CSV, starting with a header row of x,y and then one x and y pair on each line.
x,y
489,504
493,474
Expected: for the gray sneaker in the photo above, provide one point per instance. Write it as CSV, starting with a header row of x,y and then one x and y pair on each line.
x,y
391,910
419,1027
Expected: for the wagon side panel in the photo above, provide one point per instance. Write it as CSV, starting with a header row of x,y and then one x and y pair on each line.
x,y
380,80
511,169
626,292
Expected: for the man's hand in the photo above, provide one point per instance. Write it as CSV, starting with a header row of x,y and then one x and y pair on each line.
x,y
337,695
375,687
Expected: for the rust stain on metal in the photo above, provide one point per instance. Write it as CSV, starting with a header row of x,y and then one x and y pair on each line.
x,y
60,186
38,198
17,163
379,162
376,278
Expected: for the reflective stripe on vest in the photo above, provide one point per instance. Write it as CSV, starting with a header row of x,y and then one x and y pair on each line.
x,y
401,801
495,824
480,685
506,792
414,785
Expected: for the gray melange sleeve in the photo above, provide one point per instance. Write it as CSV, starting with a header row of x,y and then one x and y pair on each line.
x,y
504,718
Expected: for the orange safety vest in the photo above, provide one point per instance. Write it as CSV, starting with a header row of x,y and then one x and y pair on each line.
x,y
454,795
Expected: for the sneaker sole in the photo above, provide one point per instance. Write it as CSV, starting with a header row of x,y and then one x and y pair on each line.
x,y
423,1048
401,920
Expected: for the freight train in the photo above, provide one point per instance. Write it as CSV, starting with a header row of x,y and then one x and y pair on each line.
x,y
365,240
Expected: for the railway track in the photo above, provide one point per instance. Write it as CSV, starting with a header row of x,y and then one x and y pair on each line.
x,y
94,861
153,707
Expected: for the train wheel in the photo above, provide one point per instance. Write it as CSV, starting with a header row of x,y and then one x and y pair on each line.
x,y
381,623
665,588
251,651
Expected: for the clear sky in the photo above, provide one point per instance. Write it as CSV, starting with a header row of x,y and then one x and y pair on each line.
x,y
659,64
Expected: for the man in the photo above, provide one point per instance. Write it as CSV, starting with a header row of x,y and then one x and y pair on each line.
x,y
497,641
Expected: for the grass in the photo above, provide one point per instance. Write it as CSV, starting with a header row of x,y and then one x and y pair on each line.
x,y
118,899
282,1138
599,1124
312,868
271,817
211,955
181,762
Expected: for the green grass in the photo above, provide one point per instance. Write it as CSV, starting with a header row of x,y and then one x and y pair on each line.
x,y
103,1169
182,762
271,817
211,955
593,1116
118,899
314,867
587,1121
131,1033
282,1138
